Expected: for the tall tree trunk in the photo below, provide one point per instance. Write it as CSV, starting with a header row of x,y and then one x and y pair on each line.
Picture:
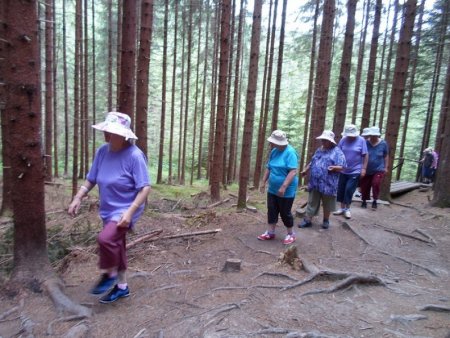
x,y
387,75
276,100
110,56
119,51
94,78
22,107
66,95
128,59
441,196
49,94
262,116
398,89
182,88
323,70
217,167
172,106
359,66
365,120
236,94
76,100
197,75
411,85
188,92
163,94
86,128
250,106
381,68
310,90
346,64
55,99
143,65
202,115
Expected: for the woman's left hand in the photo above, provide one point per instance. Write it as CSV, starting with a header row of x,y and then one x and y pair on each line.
x,y
125,221
281,191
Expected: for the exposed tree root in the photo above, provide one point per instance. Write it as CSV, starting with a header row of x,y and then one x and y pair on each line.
x,y
424,234
348,226
401,233
62,319
295,334
64,303
437,308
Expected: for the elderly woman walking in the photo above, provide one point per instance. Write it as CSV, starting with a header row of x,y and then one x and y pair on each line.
x,y
354,148
281,174
324,168
377,167
120,171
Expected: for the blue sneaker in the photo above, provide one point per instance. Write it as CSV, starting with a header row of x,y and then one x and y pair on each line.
x,y
115,294
305,224
325,224
104,284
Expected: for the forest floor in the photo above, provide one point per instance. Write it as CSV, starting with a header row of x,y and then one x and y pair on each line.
x,y
383,273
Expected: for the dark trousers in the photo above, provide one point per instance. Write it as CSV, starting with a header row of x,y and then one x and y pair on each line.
x,y
346,187
371,181
112,247
282,206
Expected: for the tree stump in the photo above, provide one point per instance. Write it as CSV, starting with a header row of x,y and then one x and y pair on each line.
x,y
232,265
290,257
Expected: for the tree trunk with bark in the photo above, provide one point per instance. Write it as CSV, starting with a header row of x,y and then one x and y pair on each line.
x,y
217,165
323,70
49,93
398,89
250,106
143,66
128,59
346,64
367,106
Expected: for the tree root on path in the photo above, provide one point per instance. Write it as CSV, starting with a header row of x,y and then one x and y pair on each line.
x,y
295,334
351,228
64,303
433,307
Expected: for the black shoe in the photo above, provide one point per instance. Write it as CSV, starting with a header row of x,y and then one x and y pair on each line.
x,y
325,224
364,204
305,224
104,284
114,295
374,204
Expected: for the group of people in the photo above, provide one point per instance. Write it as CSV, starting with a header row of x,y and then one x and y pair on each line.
x,y
335,172
120,171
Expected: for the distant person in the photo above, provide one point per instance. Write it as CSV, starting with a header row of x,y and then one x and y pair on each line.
x,y
355,150
281,174
377,167
120,171
429,165
366,137
324,168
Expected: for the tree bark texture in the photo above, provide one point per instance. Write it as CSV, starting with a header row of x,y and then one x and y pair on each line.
x,y
250,106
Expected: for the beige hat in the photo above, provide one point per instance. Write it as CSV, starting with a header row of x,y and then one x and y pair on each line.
x,y
327,135
278,137
350,130
365,132
117,123
374,131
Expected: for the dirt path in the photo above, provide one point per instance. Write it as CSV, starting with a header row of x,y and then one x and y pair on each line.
x,y
179,290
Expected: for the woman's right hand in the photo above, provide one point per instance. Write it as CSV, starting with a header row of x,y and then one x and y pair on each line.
x,y
74,206
262,187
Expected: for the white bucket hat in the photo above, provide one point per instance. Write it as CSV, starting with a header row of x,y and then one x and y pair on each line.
x,y
327,135
278,137
374,131
350,130
117,123
365,132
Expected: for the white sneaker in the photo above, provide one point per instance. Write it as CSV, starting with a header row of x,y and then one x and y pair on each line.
x,y
347,214
339,212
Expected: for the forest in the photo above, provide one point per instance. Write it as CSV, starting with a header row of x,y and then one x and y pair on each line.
x,y
205,82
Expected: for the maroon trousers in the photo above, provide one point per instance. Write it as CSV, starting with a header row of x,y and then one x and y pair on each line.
x,y
112,247
371,181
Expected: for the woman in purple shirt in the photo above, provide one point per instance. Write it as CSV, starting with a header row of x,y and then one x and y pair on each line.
x,y
355,150
120,171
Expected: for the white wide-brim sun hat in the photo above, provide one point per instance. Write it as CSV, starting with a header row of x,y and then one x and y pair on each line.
x,y
350,130
327,135
117,123
374,131
278,137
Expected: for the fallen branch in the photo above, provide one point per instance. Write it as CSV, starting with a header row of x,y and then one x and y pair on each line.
x,y
217,203
433,307
348,226
144,238
191,234
7,313
176,204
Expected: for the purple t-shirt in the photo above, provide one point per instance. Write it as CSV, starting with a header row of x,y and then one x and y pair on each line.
x,y
120,176
354,154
